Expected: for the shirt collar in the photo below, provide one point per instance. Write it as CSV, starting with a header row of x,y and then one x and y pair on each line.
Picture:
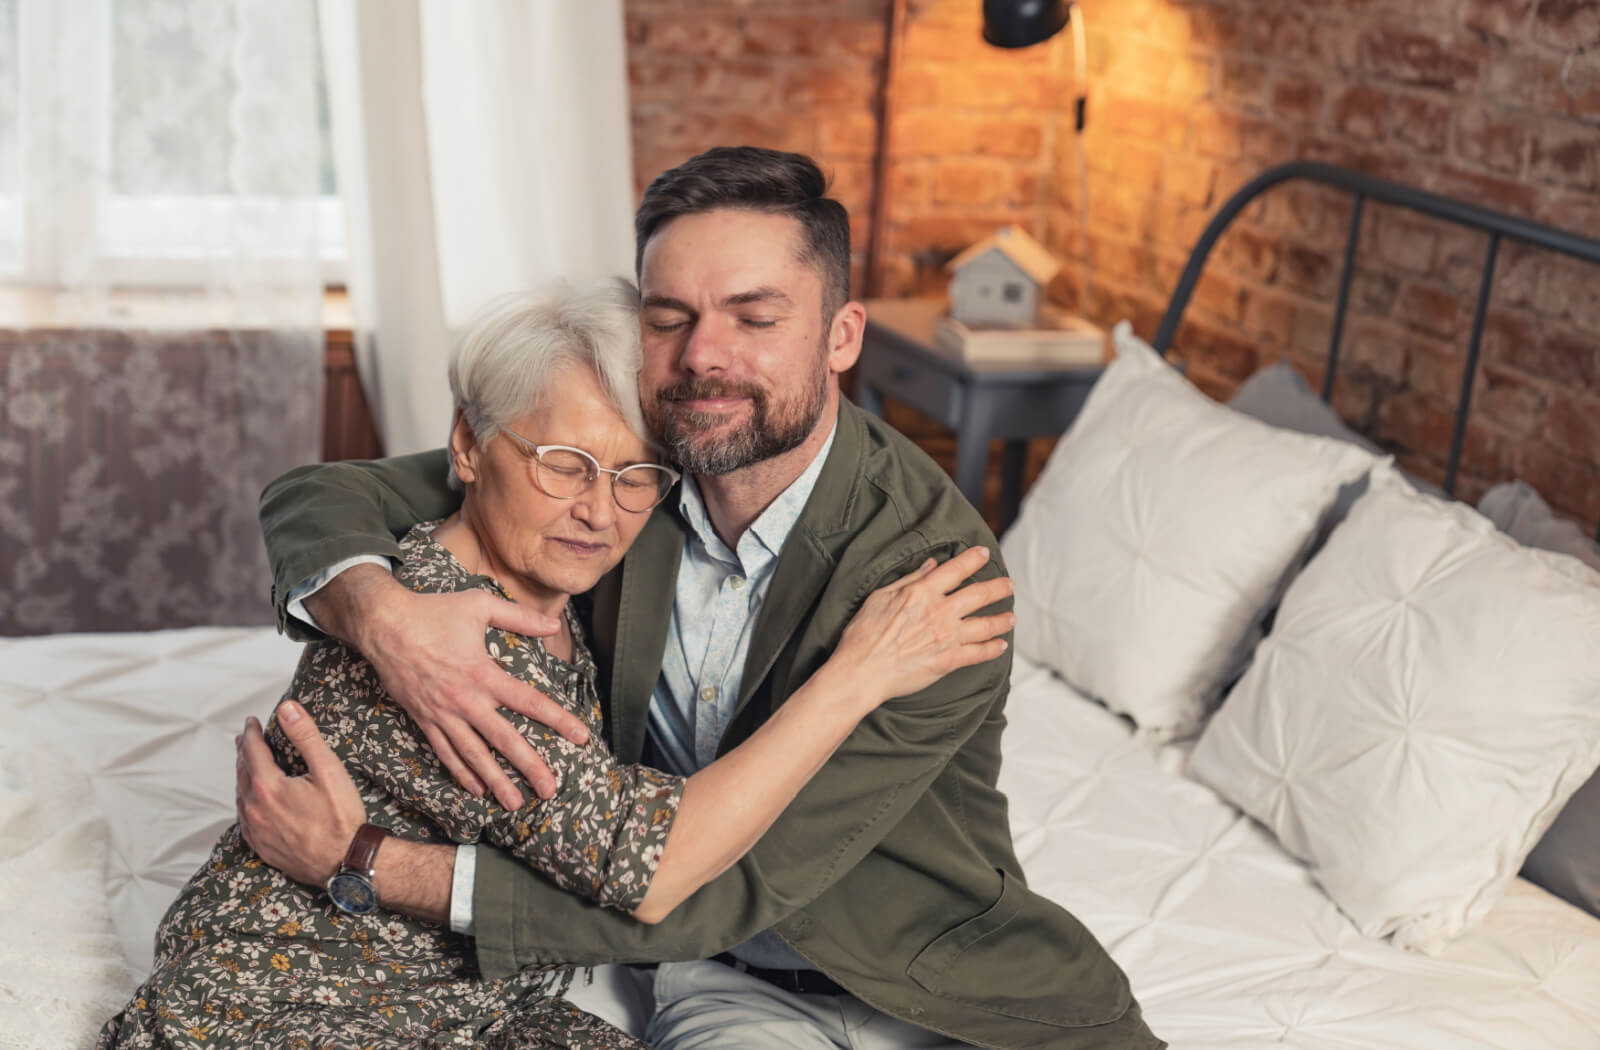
x,y
772,527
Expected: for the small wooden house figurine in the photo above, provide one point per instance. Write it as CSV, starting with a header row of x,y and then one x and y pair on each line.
x,y
1001,280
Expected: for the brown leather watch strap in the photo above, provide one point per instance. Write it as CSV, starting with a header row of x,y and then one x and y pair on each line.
x,y
362,855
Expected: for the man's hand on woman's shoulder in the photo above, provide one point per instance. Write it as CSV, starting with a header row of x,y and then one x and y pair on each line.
x,y
428,650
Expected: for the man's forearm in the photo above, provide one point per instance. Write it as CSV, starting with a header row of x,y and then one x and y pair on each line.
x,y
415,878
349,600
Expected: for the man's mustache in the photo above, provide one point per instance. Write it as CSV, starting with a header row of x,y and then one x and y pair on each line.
x,y
701,389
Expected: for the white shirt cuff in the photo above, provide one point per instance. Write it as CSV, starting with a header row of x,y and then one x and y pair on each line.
x,y
295,604
461,887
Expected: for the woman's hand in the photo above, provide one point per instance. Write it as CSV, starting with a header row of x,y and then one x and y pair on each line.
x,y
913,632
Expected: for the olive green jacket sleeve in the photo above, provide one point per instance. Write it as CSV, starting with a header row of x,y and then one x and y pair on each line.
x,y
316,516
880,771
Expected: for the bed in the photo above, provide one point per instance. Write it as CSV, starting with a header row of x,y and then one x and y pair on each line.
x,y
116,766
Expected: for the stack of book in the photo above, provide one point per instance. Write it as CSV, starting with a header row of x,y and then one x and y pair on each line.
x,y
1061,340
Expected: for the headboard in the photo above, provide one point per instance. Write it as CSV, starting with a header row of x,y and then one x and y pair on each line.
x,y
1496,224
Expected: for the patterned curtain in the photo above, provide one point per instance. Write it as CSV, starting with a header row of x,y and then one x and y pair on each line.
x,y
167,221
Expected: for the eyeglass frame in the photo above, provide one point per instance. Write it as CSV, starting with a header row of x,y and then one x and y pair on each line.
x,y
595,471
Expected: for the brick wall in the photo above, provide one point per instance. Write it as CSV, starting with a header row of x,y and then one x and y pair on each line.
x,y
1496,101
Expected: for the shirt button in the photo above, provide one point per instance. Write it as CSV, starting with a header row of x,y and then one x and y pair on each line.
x,y
708,693
736,582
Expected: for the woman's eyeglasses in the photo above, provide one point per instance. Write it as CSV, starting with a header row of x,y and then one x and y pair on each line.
x,y
564,472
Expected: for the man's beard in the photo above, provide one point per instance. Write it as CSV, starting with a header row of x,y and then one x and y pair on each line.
x,y
773,428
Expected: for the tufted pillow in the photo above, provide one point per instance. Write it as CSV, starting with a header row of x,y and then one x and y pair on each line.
x,y
1428,699
1158,536
1567,860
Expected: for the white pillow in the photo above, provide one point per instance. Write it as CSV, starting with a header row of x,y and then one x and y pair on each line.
x,y
1427,701
1158,536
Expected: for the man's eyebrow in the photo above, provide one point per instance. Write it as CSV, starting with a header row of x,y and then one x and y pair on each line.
x,y
665,302
764,294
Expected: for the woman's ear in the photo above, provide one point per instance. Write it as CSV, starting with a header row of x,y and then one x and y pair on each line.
x,y
464,449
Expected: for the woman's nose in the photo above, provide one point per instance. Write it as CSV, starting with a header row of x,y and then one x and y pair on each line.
x,y
595,506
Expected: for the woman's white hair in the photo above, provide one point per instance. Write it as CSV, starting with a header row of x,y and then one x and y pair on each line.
x,y
504,366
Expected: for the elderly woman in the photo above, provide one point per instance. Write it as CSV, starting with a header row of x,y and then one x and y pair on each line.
x,y
559,478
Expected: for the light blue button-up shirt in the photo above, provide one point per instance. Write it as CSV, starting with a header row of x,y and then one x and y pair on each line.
x,y
719,596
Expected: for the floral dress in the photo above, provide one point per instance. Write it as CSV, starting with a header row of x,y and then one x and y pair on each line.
x,y
245,957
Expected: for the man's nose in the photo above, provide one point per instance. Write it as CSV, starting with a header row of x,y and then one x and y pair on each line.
x,y
708,347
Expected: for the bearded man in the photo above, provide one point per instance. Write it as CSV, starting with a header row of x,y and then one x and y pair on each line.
x,y
886,906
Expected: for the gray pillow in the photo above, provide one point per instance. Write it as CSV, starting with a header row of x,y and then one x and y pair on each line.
x,y
1278,395
1567,859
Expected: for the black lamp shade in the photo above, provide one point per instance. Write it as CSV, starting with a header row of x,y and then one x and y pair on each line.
x,y
1023,23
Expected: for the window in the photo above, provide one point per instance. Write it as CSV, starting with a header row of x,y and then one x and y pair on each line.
x,y
142,141
1013,292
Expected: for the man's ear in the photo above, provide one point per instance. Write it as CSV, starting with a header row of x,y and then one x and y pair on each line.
x,y
844,337
464,449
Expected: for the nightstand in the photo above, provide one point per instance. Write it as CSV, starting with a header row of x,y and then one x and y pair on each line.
x,y
979,402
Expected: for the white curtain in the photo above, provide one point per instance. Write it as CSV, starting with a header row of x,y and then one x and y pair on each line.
x,y
165,227
482,148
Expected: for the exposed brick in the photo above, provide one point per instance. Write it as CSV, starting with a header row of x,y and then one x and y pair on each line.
x,y
1573,425
1490,191
1565,153
1405,243
1360,110
1429,308
1219,296
1225,352
1567,24
1425,427
1142,119
1218,133
1269,317
1434,369
1579,212
1413,57
1297,98
1021,137
1422,121
1308,270
846,134
1502,18
1373,292
1376,348
1568,485
933,133
768,35
1571,289
1509,400
1249,253
1518,273
685,33
1243,81
1494,139
1190,181
995,87
815,86
1266,141
909,183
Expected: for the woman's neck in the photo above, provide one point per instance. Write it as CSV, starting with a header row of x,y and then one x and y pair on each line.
x,y
457,535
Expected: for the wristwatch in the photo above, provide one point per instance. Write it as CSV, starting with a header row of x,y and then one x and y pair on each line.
x,y
351,886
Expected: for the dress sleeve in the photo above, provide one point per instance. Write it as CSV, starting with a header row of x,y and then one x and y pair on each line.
x,y
601,836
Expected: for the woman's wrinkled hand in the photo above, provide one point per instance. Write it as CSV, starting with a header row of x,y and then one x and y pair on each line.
x,y
914,631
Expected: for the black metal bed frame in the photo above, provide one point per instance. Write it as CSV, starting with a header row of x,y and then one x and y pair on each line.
x,y
1496,224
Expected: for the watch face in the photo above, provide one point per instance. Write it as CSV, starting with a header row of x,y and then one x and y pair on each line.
x,y
352,892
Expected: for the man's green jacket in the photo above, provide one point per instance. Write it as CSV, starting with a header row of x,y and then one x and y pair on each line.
x,y
893,870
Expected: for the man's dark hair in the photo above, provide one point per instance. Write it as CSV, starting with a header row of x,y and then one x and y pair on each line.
x,y
762,180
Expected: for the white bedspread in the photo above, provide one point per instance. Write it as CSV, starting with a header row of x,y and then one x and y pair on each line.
x,y
1228,941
